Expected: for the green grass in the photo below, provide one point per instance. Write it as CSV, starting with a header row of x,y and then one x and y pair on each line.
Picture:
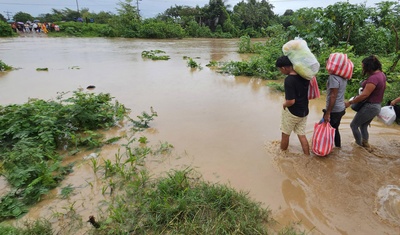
x,y
38,227
181,203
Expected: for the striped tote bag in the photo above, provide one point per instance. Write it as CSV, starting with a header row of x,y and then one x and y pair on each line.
x,y
313,90
323,138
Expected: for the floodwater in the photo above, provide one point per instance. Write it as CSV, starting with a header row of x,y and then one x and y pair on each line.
x,y
225,127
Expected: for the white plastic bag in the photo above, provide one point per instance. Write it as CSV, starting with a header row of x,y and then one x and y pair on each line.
x,y
303,60
387,115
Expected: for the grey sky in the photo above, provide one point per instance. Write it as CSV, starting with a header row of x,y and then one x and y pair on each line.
x,y
148,8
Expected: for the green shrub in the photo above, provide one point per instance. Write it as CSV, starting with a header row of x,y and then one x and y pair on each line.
x,y
5,29
193,29
78,29
161,29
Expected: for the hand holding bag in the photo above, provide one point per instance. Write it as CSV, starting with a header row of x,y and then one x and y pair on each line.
x,y
387,115
323,138
357,106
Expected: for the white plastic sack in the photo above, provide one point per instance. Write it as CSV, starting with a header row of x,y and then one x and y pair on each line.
x,y
303,60
387,115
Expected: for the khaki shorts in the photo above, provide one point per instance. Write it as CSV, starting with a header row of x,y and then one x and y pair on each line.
x,y
290,122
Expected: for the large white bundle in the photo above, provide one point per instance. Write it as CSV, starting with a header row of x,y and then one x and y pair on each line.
x,y
303,60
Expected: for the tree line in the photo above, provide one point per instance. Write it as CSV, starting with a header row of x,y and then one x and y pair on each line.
x,y
354,29
368,29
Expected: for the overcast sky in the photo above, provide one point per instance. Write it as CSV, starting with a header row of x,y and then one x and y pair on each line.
x,y
148,8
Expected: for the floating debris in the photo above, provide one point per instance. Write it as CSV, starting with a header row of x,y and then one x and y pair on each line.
x,y
90,156
42,69
91,87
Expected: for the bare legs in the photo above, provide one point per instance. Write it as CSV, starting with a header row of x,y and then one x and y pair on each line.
x,y
303,141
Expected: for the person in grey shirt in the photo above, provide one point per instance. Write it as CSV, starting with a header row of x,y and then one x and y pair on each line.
x,y
335,106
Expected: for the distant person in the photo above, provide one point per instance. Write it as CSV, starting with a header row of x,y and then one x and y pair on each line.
x,y
335,107
14,26
396,108
26,28
44,28
395,101
35,26
295,107
373,89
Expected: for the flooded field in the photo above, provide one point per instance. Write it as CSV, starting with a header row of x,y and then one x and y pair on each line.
x,y
225,127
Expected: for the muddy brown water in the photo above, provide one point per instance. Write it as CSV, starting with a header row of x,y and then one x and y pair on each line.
x,y
226,127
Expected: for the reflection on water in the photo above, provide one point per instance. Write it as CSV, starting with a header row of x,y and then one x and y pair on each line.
x,y
226,127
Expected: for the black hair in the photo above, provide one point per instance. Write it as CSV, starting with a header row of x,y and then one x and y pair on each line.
x,y
283,61
371,64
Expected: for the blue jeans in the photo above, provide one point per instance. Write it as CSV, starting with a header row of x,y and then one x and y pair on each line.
x,y
361,121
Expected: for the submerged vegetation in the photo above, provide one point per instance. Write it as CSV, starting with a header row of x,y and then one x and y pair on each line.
x,y
4,67
191,63
33,135
155,55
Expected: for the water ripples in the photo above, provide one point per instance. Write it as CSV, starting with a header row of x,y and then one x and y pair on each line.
x,y
388,204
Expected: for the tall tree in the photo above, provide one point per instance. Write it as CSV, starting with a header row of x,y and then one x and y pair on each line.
x,y
127,21
216,12
387,15
344,18
2,18
253,14
22,17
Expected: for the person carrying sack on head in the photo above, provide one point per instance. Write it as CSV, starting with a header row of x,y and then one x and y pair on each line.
x,y
340,69
295,107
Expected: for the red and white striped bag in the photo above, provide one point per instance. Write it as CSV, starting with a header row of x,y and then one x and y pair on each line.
x,y
313,90
339,64
323,138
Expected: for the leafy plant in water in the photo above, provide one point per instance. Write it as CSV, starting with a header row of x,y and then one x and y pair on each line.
x,y
276,86
143,121
142,139
193,64
32,133
212,64
11,206
164,148
67,191
153,54
4,67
